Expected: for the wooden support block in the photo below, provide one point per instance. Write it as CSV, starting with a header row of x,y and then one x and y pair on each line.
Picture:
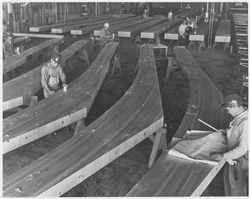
x,y
158,141
33,100
170,67
79,124
116,65
84,56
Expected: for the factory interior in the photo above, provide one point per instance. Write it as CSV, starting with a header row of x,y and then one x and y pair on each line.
x,y
124,99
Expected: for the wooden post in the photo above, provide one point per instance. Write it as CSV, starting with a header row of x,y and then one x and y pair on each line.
x,y
79,124
159,143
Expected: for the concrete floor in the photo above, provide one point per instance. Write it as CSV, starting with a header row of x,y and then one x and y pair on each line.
x,y
117,178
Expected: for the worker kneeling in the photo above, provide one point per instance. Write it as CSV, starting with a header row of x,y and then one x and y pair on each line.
x,y
105,36
51,74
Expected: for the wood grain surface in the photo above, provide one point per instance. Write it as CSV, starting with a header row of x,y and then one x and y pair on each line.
x,y
61,109
134,117
28,84
17,60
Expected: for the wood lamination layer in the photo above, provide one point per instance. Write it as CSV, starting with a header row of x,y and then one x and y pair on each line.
x,y
17,60
134,30
28,84
134,117
61,109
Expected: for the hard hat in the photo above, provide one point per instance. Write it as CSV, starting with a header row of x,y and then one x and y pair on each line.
x,y
232,100
106,25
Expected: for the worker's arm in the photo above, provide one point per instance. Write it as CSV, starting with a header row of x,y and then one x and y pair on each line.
x,y
62,75
242,147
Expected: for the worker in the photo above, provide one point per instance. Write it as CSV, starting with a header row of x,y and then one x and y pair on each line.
x,y
236,171
51,73
8,48
105,36
182,33
170,14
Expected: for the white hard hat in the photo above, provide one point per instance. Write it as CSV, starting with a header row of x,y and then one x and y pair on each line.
x,y
106,25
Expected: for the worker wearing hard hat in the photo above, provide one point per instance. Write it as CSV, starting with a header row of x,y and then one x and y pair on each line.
x,y
236,171
105,35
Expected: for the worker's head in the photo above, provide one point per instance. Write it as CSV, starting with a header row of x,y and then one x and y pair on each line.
x,y
106,26
233,104
56,60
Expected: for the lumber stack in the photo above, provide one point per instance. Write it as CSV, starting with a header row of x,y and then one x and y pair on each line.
x,y
135,30
17,60
137,115
19,91
174,175
59,110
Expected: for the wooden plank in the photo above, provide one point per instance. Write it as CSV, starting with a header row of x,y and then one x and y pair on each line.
x,y
119,129
17,60
89,29
134,30
159,29
223,32
174,176
26,85
49,27
39,35
59,110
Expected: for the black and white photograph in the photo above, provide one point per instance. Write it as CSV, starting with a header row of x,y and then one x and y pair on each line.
x,y
125,99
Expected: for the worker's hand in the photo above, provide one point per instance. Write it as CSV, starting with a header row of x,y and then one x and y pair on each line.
x,y
223,131
217,156
51,92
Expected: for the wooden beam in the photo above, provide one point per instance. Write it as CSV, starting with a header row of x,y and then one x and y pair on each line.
x,y
61,37
18,91
17,60
122,127
61,109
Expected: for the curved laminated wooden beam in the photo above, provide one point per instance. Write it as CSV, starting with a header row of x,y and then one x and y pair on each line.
x,y
17,60
137,115
175,176
18,91
59,110
134,30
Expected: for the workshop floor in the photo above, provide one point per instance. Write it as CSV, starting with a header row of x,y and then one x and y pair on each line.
x,y
117,178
